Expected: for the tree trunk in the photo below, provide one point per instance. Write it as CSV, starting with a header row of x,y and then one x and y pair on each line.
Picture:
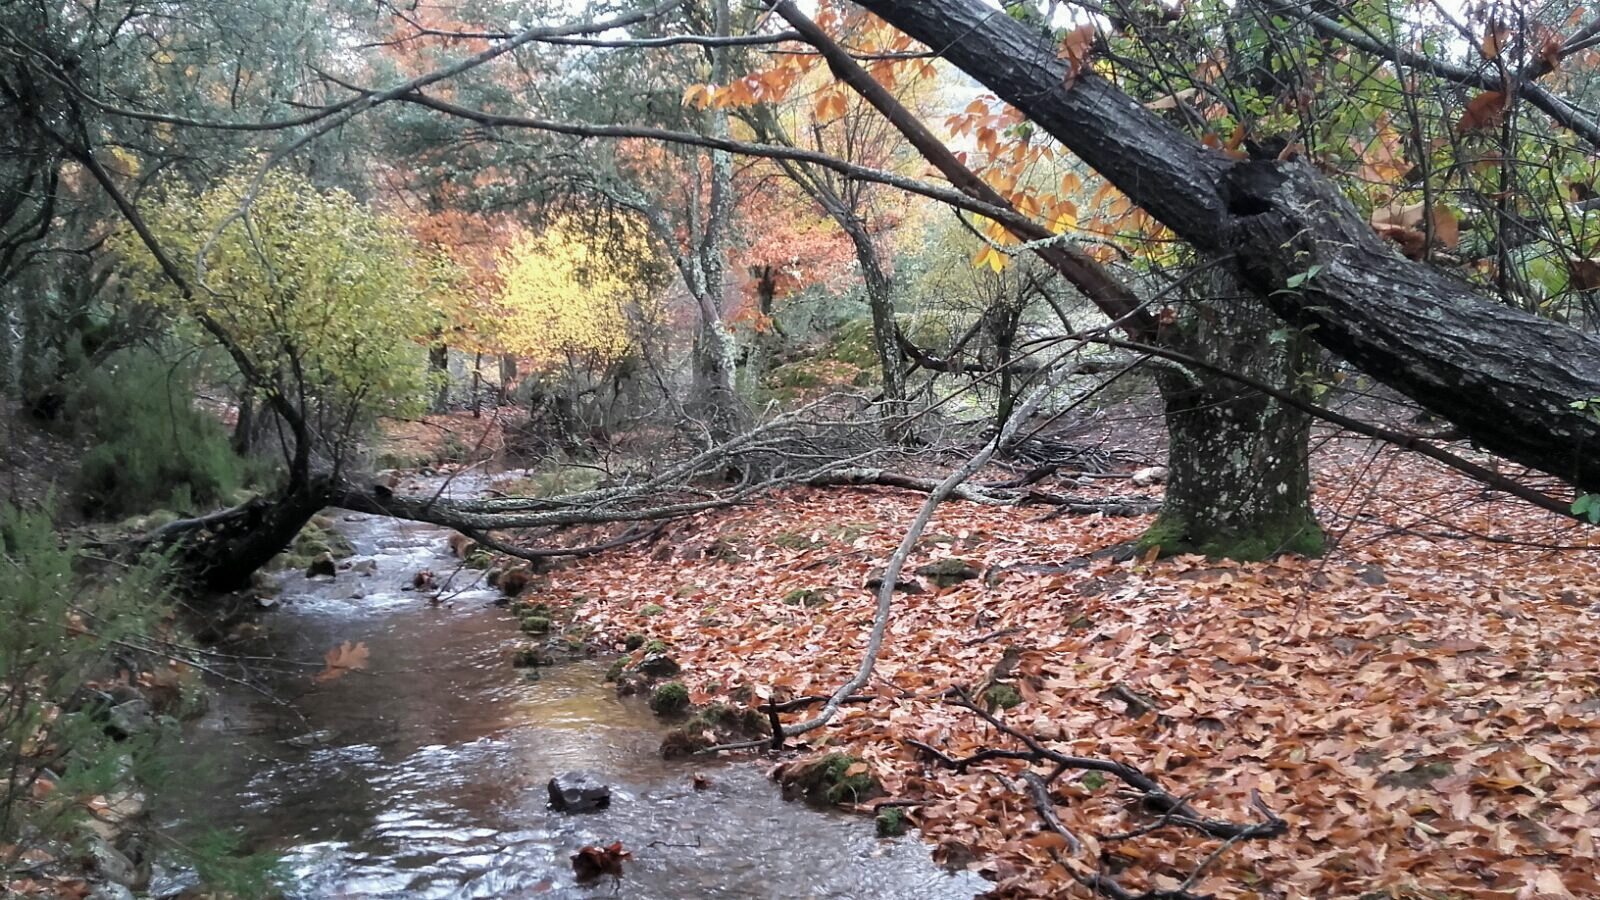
x,y
244,429
219,552
880,300
508,377
1238,460
1506,378
439,363
714,401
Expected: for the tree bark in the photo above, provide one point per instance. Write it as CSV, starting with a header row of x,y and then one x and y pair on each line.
x,y
219,552
439,364
1238,483
1506,378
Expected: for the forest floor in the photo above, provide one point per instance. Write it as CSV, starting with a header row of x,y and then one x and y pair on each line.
x,y
1422,706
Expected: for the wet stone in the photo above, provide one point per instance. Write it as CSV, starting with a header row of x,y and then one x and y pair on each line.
x,y
322,565
578,792
658,665
128,719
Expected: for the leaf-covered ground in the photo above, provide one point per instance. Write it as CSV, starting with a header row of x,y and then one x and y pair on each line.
x,y
1422,710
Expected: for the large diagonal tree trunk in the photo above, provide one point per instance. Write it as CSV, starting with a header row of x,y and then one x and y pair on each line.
x,y
1506,378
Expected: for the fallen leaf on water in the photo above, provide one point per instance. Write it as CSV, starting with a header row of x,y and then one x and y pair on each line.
x,y
591,862
342,660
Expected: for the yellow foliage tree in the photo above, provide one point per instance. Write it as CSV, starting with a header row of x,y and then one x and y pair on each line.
x,y
577,296
323,300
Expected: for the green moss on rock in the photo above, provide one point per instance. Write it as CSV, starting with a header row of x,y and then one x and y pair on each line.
x,y
806,597
1000,695
891,822
536,625
670,699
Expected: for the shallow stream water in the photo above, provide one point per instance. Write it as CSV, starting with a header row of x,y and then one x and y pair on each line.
x,y
427,773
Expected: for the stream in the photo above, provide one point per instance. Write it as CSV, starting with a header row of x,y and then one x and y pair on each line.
x,y
425,774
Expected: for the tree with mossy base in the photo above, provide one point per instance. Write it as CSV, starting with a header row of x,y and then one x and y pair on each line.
x,y
1239,471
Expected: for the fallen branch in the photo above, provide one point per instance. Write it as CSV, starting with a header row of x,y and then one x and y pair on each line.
x,y
990,495
1173,810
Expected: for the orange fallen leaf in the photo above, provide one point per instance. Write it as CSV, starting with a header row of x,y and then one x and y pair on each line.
x,y
342,660
591,862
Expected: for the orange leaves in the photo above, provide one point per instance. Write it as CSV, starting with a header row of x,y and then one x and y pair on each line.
x,y
1417,707
1076,49
342,660
592,861
1403,224
1485,110
831,104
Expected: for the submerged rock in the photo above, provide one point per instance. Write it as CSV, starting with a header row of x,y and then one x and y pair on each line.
x,y
311,739
578,792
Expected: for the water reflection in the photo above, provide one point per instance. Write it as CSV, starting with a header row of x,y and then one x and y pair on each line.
x,y
431,779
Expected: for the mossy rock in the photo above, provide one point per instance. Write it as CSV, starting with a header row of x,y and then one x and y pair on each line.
x,y
530,656
829,780
479,559
891,822
525,608
810,598
670,699
658,665
652,609
1001,695
618,666
319,537
684,741
634,641
949,572
734,721
651,648
536,625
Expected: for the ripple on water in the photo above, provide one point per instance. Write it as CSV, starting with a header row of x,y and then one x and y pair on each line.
x,y
433,782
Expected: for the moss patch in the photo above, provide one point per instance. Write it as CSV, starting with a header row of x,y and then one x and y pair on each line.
x,y
1296,533
891,822
670,699
809,598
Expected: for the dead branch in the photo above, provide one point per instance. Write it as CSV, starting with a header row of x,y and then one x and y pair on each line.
x,y
1173,810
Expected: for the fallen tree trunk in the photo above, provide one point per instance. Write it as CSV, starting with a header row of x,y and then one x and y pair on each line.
x,y
992,495
1506,378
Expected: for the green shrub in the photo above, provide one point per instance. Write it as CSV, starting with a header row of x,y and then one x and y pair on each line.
x,y
153,447
60,740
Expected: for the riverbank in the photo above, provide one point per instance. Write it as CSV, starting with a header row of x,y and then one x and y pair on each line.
x,y
1420,707
422,771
